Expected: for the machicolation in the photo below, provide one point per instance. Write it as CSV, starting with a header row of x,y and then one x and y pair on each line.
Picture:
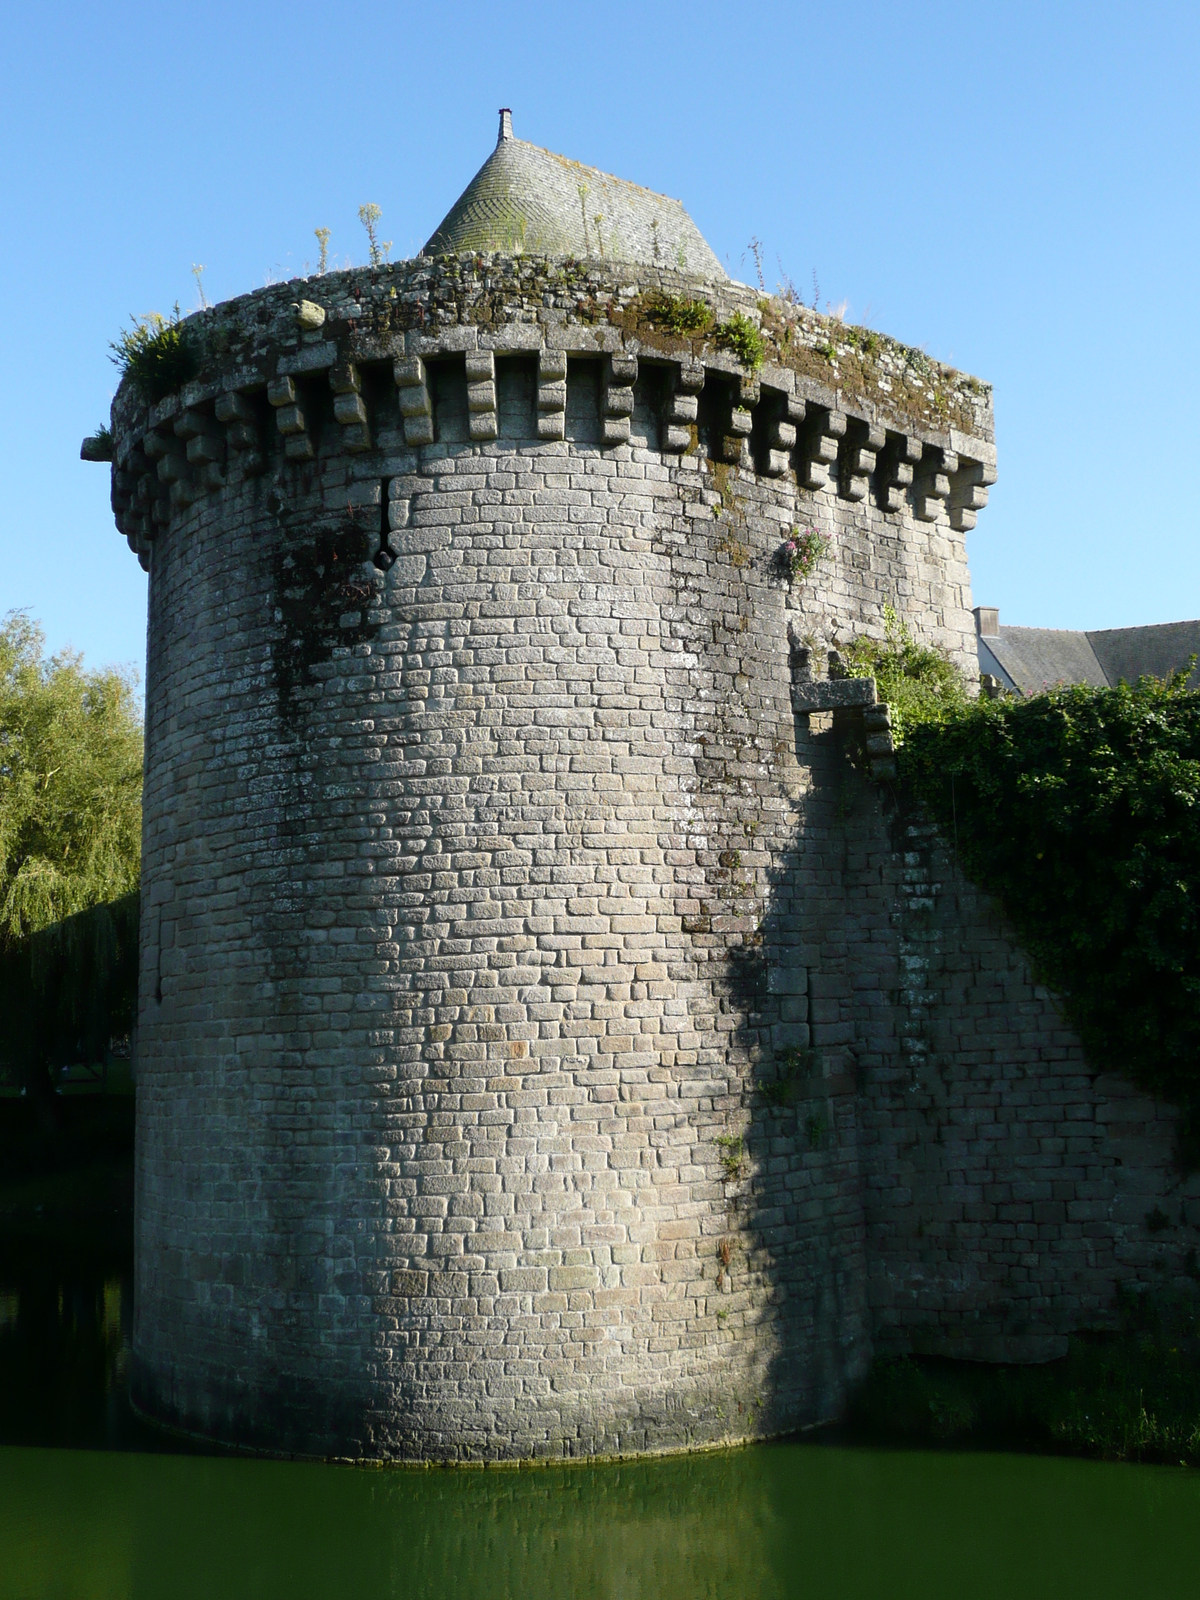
x,y
549,1042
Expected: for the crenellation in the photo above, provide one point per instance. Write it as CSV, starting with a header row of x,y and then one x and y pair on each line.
x,y
751,421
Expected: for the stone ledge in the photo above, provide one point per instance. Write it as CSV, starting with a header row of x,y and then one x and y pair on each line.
x,y
832,694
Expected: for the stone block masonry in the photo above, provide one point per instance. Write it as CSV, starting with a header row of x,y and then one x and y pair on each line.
x,y
548,1044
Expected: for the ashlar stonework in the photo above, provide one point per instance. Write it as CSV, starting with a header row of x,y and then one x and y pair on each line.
x,y
550,1042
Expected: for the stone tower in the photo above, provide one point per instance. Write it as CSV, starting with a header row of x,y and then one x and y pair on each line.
x,y
496,1089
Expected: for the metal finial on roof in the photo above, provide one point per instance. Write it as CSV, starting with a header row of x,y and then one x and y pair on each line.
x,y
505,124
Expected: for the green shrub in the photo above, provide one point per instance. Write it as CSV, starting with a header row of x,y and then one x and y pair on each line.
x,y
1079,809
741,336
920,685
158,354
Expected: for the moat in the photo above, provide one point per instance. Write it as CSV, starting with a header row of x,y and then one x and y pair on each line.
x,y
93,1503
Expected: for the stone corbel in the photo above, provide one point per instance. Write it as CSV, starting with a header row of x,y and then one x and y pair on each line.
x,y
552,394
127,480
878,740
416,408
141,549
171,470
290,419
736,440
241,433
620,375
931,488
151,496
121,496
155,444
863,442
481,395
205,447
348,405
819,450
901,456
782,433
683,406
969,492
145,491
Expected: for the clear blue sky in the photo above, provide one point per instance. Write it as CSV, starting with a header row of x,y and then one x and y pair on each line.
x,y
1011,186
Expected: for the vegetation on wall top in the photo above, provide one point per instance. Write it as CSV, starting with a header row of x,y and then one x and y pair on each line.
x,y
1080,810
161,354
677,314
741,336
157,353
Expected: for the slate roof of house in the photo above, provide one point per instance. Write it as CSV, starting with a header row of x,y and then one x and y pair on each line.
x,y
1029,660
528,201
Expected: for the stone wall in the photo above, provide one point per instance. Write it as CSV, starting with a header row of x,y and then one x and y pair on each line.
x,y
545,1045
1007,1187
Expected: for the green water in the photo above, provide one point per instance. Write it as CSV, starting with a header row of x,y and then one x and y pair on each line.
x,y
93,1504
777,1520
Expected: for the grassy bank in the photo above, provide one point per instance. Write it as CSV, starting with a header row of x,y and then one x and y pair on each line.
x,y
1131,1395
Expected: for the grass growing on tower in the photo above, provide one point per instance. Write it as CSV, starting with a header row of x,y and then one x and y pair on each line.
x,y
157,353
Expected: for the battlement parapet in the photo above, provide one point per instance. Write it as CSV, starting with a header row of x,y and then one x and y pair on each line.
x,y
360,369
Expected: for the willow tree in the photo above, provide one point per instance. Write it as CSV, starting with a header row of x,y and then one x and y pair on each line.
x,y
70,848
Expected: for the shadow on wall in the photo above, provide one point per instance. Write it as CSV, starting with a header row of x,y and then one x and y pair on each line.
x,y
804,1203
931,1165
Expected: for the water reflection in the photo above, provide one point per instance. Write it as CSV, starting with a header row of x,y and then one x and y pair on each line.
x,y
788,1519
64,1342
776,1520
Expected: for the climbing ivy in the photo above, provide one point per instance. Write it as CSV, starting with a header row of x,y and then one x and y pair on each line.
x,y
1080,810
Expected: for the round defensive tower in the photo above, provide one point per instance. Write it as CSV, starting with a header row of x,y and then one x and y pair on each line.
x,y
477,982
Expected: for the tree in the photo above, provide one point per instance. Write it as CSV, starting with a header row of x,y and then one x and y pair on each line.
x,y
70,783
70,854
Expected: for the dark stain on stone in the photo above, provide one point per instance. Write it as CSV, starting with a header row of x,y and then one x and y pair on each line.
x,y
324,587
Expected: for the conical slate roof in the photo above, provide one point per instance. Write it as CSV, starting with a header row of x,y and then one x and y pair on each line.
x,y
526,200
